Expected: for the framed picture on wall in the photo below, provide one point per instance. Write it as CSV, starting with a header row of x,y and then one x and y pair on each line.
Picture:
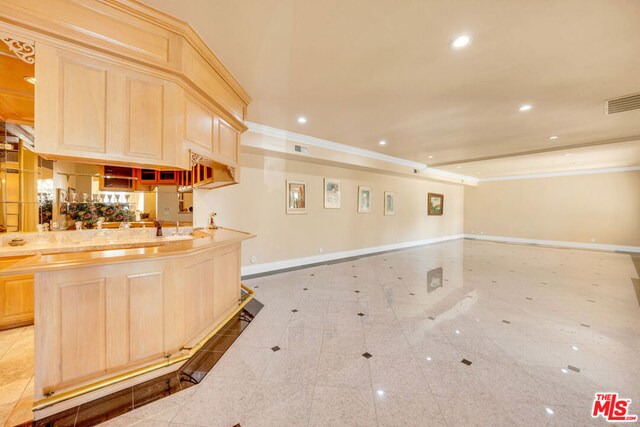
x,y
331,193
389,203
296,197
364,199
435,204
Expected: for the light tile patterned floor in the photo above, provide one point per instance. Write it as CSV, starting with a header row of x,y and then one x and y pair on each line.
x,y
16,375
543,330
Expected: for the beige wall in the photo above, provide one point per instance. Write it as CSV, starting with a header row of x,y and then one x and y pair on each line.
x,y
604,207
258,205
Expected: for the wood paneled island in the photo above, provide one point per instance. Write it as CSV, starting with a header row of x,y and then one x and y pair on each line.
x,y
109,318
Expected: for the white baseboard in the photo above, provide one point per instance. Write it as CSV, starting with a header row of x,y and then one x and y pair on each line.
x,y
559,243
298,262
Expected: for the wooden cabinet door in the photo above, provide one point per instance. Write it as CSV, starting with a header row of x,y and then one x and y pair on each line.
x,y
71,104
227,141
97,111
16,301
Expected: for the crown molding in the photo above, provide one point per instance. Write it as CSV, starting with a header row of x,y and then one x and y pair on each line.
x,y
343,148
561,173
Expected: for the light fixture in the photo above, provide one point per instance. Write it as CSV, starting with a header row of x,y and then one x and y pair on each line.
x,y
458,167
525,107
553,137
302,120
564,371
478,173
574,348
383,142
428,359
457,332
431,157
566,154
460,42
30,79
549,411
380,392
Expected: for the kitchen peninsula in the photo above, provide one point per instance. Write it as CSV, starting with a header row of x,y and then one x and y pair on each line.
x,y
104,317
117,98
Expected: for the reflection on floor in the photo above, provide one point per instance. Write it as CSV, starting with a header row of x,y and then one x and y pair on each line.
x,y
502,335
16,376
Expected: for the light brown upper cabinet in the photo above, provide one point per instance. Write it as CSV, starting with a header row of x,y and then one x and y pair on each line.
x,y
120,83
208,134
95,110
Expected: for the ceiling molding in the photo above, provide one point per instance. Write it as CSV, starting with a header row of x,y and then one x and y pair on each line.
x,y
541,151
563,173
343,148
318,142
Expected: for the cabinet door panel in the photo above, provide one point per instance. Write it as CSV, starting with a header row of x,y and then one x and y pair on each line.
x,y
16,300
199,125
228,139
145,121
146,308
83,102
82,329
226,277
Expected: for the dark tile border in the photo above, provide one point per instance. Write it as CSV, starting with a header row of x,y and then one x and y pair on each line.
x,y
191,373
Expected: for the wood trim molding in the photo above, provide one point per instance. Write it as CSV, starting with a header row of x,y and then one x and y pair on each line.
x,y
24,50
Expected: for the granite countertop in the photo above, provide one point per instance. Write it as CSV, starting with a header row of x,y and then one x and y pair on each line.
x,y
64,257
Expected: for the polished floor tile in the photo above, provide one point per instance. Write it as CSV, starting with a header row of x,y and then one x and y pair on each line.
x,y
458,333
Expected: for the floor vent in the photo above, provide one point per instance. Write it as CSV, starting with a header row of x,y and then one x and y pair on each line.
x,y
622,104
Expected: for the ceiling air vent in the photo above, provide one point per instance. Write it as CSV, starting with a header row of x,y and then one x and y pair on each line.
x,y
300,148
622,104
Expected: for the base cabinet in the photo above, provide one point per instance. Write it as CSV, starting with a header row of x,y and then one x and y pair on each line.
x,y
103,321
16,301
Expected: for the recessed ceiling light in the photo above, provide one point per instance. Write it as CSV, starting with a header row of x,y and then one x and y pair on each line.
x,y
553,137
302,120
458,167
460,42
549,411
383,142
566,154
30,79
478,173
525,107
431,157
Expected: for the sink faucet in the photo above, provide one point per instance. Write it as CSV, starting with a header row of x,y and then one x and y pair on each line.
x,y
177,233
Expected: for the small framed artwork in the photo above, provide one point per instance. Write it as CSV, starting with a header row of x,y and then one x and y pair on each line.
x,y
296,197
364,200
389,203
331,193
435,204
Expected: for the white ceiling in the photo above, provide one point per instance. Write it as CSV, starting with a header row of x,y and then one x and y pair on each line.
x,y
365,70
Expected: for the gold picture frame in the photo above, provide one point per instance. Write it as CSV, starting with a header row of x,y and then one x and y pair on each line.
x,y
435,204
296,197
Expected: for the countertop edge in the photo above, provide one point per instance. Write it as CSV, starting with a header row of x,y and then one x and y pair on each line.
x,y
54,262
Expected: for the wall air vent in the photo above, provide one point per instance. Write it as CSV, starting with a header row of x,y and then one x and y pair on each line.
x,y
300,148
622,104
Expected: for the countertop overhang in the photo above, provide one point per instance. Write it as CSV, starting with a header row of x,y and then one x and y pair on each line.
x,y
217,238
